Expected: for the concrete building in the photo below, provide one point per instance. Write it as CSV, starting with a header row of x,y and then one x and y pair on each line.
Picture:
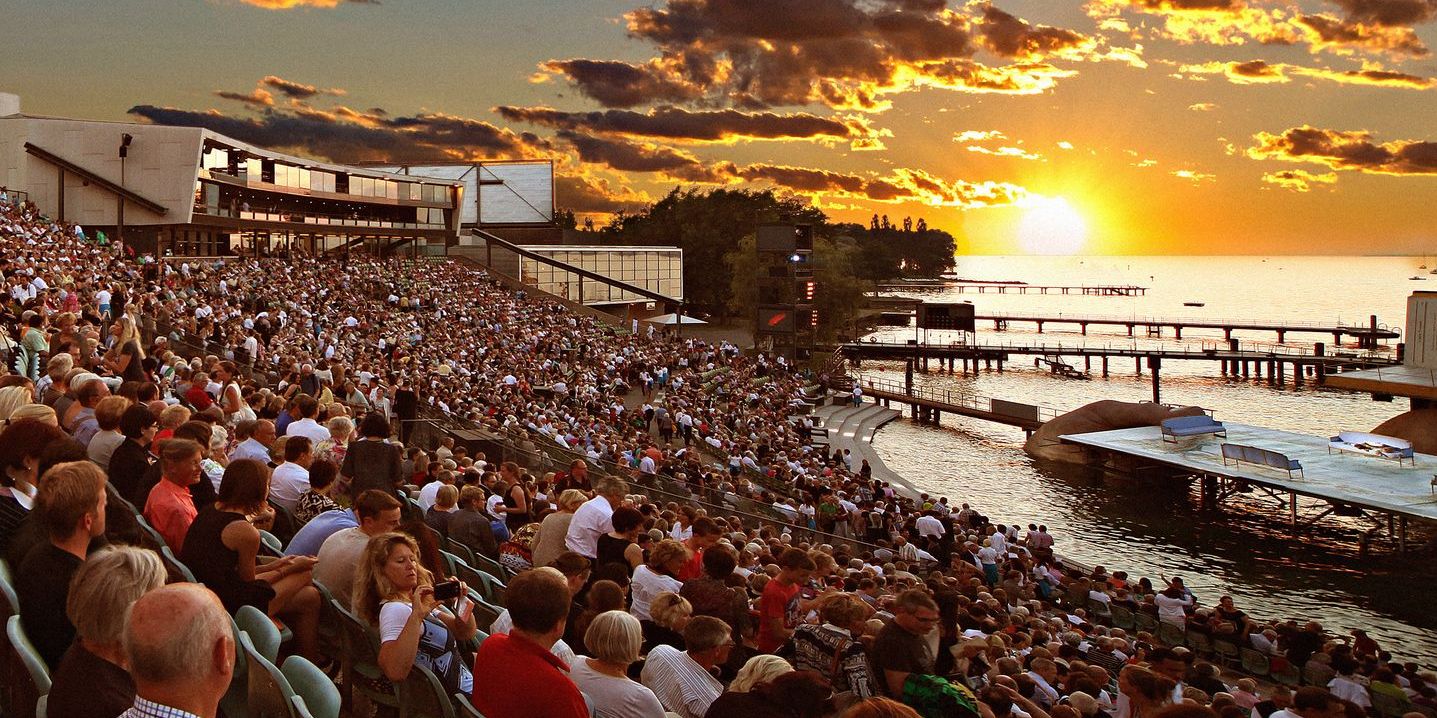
x,y
190,191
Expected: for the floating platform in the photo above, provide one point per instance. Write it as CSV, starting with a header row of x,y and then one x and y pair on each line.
x,y
1404,491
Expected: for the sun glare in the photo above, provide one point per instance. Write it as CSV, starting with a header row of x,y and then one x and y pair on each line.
x,y
1052,227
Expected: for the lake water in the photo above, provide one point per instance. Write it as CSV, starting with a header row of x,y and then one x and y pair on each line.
x,y
1247,550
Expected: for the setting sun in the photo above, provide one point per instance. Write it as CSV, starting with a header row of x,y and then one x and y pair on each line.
x,y
1052,226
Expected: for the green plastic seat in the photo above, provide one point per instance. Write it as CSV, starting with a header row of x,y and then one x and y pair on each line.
x,y
1171,635
1144,622
262,631
178,570
360,660
1256,662
1226,651
460,550
9,602
321,696
421,695
154,538
269,692
1390,706
331,632
270,544
26,695
465,708
1122,618
233,703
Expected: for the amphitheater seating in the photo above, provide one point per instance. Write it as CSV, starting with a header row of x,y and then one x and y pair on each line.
x,y
319,695
1389,706
25,697
360,661
269,693
421,695
1256,662
262,632
1239,454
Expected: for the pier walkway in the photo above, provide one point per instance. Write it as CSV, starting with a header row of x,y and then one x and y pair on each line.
x,y
1276,361
1366,335
1092,290
928,405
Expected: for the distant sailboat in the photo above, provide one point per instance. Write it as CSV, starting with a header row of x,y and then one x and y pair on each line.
x,y
1417,278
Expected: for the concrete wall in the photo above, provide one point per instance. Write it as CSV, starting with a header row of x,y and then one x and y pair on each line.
x,y
161,166
1421,336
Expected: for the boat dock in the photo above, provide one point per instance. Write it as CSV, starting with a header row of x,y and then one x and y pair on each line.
x,y
1348,483
928,405
1367,335
1091,290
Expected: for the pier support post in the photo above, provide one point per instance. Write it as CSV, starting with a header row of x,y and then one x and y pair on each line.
x,y
1227,333
1281,336
1130,330
1138,363
1105,366
1156,364
1040,327
1244,369
1087,363
1084,325
1177,331
1298,370
1000,365
1318,350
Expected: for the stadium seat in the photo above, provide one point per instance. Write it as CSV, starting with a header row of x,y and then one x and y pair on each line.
x,y
1225,651
321,697
272,546
464,708
1285,673
360,661
460,550
1256,662
178,571
263,634
1145,622
1200,642
25,697
331,632
269,691
1389,706
1123,618
233,704
421,695
1171,635
156,541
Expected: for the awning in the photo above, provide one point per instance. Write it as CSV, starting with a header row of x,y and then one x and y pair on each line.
x,y
671,319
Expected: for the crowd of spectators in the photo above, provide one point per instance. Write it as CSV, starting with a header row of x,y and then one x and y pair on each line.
x,y
278,397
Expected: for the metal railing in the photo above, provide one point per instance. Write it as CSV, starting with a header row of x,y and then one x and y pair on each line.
x,y
1130,349
1220,322
964,399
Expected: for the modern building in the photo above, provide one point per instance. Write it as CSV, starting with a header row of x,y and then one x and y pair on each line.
x,y
190,191
513,199
657,269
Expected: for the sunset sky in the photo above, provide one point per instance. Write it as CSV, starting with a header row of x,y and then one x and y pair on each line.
x,y
1144,126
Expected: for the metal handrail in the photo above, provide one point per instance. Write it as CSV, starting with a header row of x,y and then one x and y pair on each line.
x,y
968,400
1133,349
1152,319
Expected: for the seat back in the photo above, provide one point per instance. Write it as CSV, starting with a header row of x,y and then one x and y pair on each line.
x,y
178,571
270,544
233,703
331,632
9,603
421,695
460,550
1389,706
1255,662
465,708
1122,618
269,691
1186,422
263,634
1172,635
321,696
1231,451
25,696
361,659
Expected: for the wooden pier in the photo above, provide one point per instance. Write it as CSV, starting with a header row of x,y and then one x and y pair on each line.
x,y
1091,290
928,405
1367,335
1275,365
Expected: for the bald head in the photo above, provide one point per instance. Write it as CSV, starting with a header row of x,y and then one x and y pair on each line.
x,y
178,641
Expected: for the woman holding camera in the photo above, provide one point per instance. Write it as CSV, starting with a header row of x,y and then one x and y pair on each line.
x,y
394,592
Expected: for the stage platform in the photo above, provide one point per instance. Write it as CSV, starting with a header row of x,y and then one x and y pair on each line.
x,y
1365,481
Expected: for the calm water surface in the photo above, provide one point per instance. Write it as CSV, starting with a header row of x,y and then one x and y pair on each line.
x,y
1246,550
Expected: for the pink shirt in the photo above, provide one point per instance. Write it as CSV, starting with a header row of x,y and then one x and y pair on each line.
x,y
171,510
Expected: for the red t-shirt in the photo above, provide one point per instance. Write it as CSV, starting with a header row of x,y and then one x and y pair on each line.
x,y
516,678
780,602
198,398
693,568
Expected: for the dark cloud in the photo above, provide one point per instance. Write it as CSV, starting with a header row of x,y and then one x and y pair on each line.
x,y
358,137
1346,150
673,123
1253,69
1009,36
258,97
622,84
297,90
627,156
1332,31
903,185
844,54
593,195
1389,13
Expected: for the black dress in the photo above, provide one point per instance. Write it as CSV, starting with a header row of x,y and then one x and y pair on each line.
x,y
610,551
217,566
512,519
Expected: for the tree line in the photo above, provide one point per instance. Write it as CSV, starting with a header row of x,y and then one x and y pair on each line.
x,y
716,230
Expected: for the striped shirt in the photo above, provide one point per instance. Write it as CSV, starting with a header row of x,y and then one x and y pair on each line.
x,y
679,682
